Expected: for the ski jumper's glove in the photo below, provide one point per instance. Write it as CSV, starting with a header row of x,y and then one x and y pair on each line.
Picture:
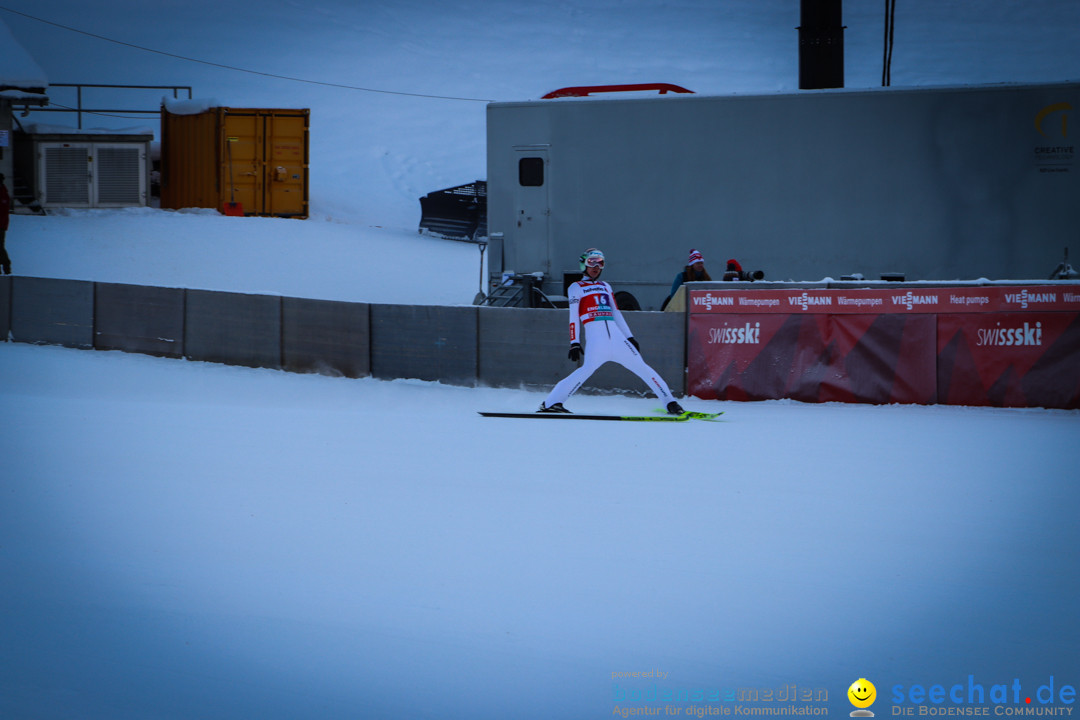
x,y
575,352
634,343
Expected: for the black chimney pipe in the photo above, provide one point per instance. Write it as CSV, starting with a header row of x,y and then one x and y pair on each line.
x,y
821,44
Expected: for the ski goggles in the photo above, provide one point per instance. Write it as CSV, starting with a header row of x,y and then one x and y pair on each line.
x,y
593,259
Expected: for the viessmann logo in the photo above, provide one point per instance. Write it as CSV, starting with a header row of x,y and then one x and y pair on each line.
x,y
1025,298
708,300
910,300
806,300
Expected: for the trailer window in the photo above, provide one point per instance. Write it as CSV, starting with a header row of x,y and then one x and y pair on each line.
x,y
531,171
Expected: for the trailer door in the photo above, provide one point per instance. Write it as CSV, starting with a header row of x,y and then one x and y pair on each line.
x,y
531,251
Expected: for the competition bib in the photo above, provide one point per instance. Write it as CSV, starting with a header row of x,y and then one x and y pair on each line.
x,y
596,305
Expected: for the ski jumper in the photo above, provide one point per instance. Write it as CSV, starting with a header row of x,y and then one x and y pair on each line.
x,y
594,315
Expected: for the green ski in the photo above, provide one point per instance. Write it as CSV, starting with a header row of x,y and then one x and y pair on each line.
x,y
695,415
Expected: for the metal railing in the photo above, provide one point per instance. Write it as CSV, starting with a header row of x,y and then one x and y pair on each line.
x,y
80,110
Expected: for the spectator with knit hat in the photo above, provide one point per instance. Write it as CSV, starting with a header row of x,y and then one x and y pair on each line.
x,y
693,272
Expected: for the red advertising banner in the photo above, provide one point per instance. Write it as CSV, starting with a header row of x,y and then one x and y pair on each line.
x,y
1012,346
964,299
1009,360
813,358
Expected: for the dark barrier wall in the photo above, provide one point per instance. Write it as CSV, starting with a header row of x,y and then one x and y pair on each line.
x,y
520,347
500,347
428,343
332,338
137,318
52,312
232,328
663,343
973,345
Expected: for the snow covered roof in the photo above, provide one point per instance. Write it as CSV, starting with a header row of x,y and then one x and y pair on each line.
x,y
18,71
43,129
189,107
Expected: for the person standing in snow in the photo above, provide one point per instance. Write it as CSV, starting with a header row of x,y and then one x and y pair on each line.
x,y
693,272
595,318
5,216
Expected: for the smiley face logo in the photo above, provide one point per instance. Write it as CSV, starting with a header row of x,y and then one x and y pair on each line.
x,y
862,694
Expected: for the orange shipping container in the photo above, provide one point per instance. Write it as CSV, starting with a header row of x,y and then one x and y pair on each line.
x,y
239,161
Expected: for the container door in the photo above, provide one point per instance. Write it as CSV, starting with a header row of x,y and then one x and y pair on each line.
x,y
241,162
65,172
530,249
286,166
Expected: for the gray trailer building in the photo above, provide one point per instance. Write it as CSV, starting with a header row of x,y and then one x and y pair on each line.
x,y
930,183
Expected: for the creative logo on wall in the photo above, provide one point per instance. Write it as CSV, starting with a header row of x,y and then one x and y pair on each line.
x,y
1046,112
1056,154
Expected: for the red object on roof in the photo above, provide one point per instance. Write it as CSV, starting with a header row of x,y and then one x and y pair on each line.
x,y
586,90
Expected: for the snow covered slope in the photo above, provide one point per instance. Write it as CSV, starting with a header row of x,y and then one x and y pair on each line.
x,y
181,539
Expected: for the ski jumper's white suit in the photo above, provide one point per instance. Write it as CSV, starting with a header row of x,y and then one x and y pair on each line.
x,y
594,316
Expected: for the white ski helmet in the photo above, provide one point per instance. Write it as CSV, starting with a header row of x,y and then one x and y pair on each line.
x,y
592,258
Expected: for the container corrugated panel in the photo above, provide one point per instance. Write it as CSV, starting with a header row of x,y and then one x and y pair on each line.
x,y
189,165
257,158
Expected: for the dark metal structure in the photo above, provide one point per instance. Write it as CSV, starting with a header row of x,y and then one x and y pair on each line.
x,y
821,44
457,213
79,109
